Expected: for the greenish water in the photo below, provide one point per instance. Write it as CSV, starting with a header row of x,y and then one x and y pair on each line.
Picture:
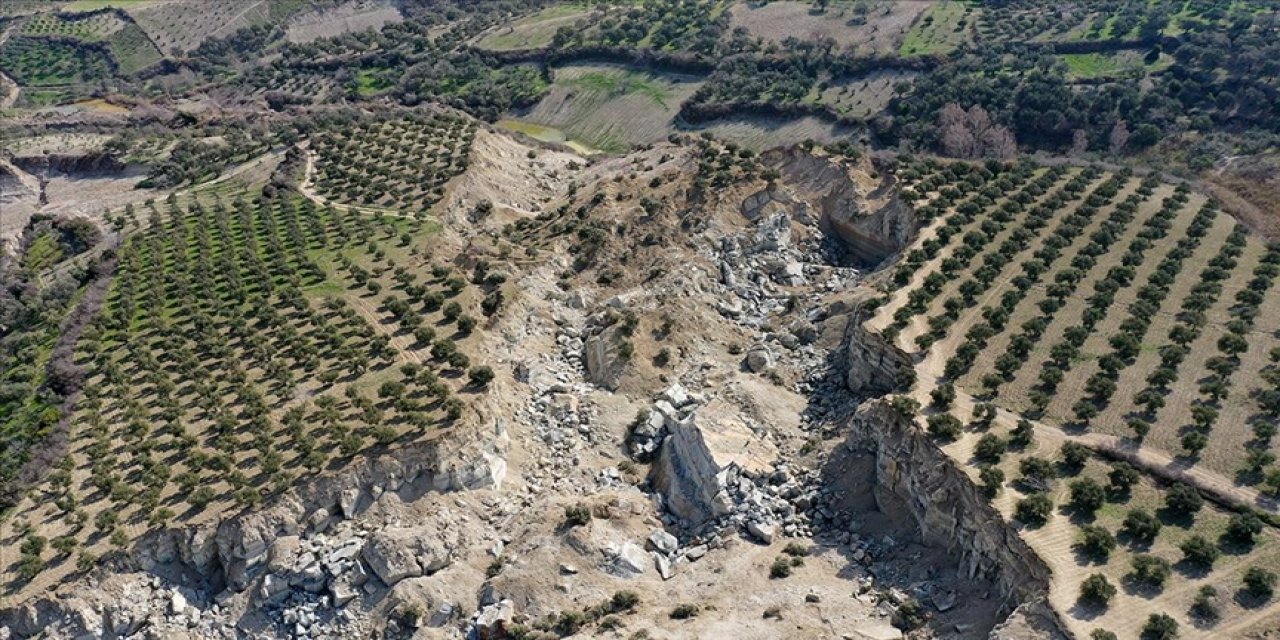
x,y
546,134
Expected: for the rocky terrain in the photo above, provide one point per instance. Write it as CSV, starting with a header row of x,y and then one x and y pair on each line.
x,y
676,450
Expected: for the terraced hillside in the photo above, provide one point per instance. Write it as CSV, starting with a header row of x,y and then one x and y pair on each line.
x,y
585,101
1094,348
392,161
246,340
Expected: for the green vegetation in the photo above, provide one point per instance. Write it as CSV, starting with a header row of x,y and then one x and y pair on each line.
x,y
41,62
942,30
132,49
226,371
392,161
535,30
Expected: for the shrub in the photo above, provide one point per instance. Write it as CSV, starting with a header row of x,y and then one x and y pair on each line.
x,y
909,616
624,601
1205,605
1074,455
944,426
942,396
1260,582
1036,471
1244,527
1087,496
466,324
684,611
1122,476
992,479
1097,541
989,448
1150,570
1183,500
1197,550
1097,590
781,568
576,515
1034,510
1160,627
1102,634
1023,434
1141,526
481,376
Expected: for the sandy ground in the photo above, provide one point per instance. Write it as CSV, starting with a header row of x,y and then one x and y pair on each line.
x,y
885,26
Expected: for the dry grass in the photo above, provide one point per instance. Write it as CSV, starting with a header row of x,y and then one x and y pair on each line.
x,y
611,107
880,29
759,133
867,95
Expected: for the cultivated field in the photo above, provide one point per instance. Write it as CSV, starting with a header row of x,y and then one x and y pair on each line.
x,y
947,25
1062,312
534,30
182,26
1090,66
92,27
866,95
246,340
878,26
40,62
353,17
758,134
585,101
392,162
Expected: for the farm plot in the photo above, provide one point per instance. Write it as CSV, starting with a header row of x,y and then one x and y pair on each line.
x,y
759,133
1092,66
866,95
399,162
89,27
182,26
611,107
1056,309
41,62
948,24
132,49
533,31
1139,315
1160,547
878,26
247,340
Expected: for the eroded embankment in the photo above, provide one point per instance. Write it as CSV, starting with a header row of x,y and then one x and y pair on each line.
x,y
230,557
913,482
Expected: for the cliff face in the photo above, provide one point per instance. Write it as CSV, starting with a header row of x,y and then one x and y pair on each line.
x,y
875,365
234,556
857,204
914,476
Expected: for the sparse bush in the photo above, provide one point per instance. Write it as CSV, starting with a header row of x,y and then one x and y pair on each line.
x,y
944,426
1097,590
684,611
1160,626
1149,570
577,515
1259,582
1035,509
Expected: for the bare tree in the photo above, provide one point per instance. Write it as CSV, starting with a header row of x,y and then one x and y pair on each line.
x,y
1119,137
1079,142
972,134
998,142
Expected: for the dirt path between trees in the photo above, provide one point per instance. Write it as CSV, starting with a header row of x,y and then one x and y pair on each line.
x,y
1222,489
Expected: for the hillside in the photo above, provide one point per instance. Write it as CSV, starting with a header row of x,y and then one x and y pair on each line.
x,y
653,319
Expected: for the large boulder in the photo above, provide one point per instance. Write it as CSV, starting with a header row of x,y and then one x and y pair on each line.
x,y
394,555
699,456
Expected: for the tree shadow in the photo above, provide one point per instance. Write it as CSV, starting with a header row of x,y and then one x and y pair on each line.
x,y
1248,600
